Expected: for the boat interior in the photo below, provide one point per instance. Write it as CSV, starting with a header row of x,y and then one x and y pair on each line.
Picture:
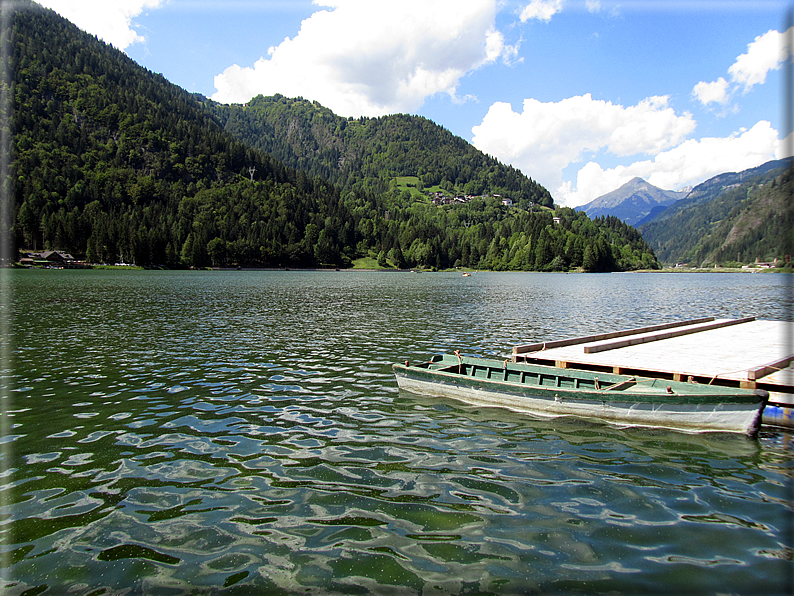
x,y
551,377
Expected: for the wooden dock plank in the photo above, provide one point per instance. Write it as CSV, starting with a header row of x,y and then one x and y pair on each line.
x,y
602,336
725,353
767,369
649,337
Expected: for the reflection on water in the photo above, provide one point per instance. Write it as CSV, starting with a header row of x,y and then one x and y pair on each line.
x,y
242,432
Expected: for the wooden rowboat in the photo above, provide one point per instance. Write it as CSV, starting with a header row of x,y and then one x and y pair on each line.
x,y
616,399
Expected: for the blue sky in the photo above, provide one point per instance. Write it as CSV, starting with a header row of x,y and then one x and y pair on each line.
x,y
580,95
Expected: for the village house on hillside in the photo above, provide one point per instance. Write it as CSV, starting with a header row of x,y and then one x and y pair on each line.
x,y
439,198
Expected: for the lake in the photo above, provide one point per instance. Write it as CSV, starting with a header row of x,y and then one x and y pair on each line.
x,y
242,433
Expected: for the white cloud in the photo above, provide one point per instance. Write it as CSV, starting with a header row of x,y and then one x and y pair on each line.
x,y
785,147
767,52
373,58
716,92
547,137
110,20
690,163
542,10
593,5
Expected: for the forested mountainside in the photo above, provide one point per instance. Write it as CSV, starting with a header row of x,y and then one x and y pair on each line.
x,y
367,153
728,220
112,162
713,187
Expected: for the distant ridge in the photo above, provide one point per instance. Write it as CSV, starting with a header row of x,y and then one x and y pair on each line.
x,y
365,154
732,218
713,187
633,202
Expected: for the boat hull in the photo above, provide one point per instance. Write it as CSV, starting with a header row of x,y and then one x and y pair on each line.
x,y
736,412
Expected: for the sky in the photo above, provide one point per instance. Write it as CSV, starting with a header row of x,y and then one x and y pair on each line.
x,y
580,95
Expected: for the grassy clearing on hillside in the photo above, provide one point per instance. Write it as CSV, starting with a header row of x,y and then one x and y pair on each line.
x,y
407,181
410,183
414,185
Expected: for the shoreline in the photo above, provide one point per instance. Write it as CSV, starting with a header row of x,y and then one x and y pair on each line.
x,y
393,270
713,270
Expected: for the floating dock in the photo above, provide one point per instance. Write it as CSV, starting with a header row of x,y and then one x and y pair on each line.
x,y
748,353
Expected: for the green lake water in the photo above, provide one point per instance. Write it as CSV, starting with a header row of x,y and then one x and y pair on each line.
x,y
242,433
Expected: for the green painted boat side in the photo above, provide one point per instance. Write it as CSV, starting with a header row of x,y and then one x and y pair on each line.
x,y
556,383
618,399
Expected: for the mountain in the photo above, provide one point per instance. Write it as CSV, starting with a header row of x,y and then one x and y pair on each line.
x,y
368,153
713,187
728,219
632,202
110,162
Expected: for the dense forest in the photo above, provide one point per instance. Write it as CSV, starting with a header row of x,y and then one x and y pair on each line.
x,y
111,162
367,153
729,220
